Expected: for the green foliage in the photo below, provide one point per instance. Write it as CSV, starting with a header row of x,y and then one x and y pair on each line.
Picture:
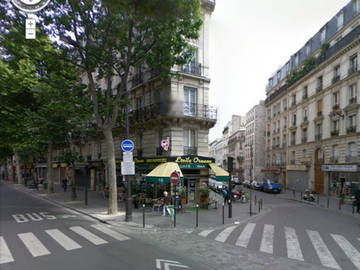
x,y
70,157
204,192
307,65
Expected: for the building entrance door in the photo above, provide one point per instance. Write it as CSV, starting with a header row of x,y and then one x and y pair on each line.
x,y
191,191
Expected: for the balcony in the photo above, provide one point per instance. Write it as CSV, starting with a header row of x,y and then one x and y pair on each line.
x,y
193,68
335,79
334,159
352,100
352,159
292,161
351,129
319,114
305,119
174,109
352,70
304,96
336,107
318,137
190,150
334,133
293,142
293,103
304,139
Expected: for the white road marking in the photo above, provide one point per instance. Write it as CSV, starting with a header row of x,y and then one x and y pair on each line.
x,y
225,234
293,245
113,234
322,251
34,216
206,232
267,241
66,242
5,254
348,249
245,235
19,218
96,240
33,244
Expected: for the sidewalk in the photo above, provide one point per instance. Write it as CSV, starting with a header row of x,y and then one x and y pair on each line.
x,y
98,205
322,201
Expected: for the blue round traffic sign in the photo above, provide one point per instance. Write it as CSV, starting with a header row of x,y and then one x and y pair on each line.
x,y
127,145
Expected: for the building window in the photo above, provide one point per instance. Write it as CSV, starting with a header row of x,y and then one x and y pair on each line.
x,y
296,59
285,104
293,100
293,138
292,157
193,65
307,48
319,83
335,128
190,100
351,123
336,73
139,103
278,75
334,154
190,142
304,135
319,106
305,92
318,132
352,150
340,20
336,100
356,6
353,64
294,119
305,114
323,35
352,93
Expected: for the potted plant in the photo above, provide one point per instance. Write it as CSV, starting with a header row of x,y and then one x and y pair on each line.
x,y
204,196
182,193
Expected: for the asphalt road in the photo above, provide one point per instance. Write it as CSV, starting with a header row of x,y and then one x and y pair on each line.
x,y
35,234
297,231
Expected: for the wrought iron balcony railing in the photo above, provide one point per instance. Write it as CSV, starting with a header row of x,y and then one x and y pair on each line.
x,y
352,70
318,137
335,79
334,159
351,129
174,109
352,100
352,158
193,68
334,133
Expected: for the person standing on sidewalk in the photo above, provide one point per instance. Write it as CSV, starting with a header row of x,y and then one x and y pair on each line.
x,y
357,201
64,184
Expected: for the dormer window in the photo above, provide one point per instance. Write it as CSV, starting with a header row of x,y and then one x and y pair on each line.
x,y
323,35
340,20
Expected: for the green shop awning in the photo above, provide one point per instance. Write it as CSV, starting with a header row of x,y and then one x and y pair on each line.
x,y
220,173
161,174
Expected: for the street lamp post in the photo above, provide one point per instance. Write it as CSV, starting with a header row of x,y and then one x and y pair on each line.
x,y
128,203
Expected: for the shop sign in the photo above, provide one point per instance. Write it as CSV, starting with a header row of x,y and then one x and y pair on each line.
x,y
192,160
180,159
339,168
165,143
296,168
193,166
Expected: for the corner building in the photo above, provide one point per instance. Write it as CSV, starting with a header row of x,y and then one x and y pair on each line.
x,y
312,111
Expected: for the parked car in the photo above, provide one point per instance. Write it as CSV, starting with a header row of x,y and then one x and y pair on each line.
x,y
271,185
246,183
236,181
256,185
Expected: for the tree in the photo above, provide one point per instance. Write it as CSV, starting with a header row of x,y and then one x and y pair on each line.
x,y
110,39
42,99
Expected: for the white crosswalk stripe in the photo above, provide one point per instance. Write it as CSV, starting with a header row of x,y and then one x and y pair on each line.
x,y
206,232
104,229
348,249
322,251
293,245
96,240
245,235
225,234
267,241
5,254
66,242
33,244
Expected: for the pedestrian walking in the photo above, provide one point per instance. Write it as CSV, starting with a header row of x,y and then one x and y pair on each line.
x,y
167,201
357,201
225,194
64,184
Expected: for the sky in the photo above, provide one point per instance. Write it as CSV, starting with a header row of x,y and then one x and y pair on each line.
x,y
250,40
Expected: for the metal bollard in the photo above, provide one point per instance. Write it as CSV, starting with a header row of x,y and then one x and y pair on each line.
x,y
353,209
250,205
197,215
318,199
340,204
143,215
255,199
223,213
327,202
174,216
259,205
293,194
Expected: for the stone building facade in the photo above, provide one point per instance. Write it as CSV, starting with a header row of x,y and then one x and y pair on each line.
x,y
313,120
254,142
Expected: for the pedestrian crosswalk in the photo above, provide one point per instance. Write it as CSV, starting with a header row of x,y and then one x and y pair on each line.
x,y
65,238
262,238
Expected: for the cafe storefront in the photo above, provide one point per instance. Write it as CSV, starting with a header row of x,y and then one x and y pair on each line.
x,y
343,180
195,171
